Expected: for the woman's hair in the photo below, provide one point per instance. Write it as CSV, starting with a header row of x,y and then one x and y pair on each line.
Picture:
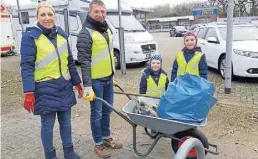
x,y
44,4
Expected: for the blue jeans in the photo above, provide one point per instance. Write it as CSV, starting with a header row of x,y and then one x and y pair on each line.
x,y
100,114
47,125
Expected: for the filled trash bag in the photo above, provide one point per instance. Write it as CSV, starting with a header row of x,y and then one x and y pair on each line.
x,y
188,99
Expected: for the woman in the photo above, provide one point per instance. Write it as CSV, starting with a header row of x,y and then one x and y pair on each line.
x,y
48,76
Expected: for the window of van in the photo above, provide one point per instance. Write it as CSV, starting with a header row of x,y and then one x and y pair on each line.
x,y
25,18
129,22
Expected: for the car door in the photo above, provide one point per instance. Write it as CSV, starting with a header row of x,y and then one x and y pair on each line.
x,y
201,39
212,47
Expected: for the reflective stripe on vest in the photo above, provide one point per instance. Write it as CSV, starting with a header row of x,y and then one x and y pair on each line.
x,y
102,62
47,64
191,67
156,90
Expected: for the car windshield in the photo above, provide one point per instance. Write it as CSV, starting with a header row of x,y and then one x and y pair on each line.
x,y
129,22
241,33
180,28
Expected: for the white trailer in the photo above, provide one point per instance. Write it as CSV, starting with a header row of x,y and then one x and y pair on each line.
x,y
139,43
6,37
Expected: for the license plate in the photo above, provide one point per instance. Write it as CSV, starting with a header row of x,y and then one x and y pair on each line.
x,y
148,56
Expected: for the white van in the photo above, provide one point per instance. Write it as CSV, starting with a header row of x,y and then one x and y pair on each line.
x,y
139,43
6,37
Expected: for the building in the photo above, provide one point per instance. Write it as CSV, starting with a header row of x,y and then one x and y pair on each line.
x,y
164,24
205,15
142,14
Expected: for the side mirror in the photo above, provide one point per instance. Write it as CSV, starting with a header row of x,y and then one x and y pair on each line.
x,y
212,40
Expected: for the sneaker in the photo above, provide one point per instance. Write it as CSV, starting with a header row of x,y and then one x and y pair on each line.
x,y
112,144
102,152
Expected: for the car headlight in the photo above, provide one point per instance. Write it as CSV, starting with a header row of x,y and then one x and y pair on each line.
x,y
246,53
129,39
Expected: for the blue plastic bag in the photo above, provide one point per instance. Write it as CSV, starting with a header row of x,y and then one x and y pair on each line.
x,y
188,99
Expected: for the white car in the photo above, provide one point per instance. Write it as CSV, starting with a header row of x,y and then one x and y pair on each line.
x,y
212,40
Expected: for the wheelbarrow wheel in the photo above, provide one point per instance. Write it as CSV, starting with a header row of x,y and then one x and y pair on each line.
x,y
184,135
151,133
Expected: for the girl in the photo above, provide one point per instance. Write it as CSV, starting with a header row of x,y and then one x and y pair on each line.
x,y
190,59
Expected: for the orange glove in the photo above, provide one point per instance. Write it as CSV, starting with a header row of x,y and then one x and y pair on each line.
x,y
29,101
79,90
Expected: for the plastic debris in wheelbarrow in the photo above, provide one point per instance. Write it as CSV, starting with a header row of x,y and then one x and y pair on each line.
x,y
188,99
146,106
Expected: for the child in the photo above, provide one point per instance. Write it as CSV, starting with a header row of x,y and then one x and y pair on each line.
x,y
154,79
190,59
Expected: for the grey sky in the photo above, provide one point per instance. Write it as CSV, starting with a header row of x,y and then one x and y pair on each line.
x,y
133,3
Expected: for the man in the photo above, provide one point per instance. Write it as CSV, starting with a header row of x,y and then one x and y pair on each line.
x,y
95,53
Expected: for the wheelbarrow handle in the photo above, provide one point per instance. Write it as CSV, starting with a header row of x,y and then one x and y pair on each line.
x,y
128,96
134,94
116,111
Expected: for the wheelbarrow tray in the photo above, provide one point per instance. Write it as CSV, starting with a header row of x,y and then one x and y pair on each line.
x,y
164,126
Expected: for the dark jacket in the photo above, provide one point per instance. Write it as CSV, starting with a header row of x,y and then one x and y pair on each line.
x,y
188,54
53,95
146,73
84,48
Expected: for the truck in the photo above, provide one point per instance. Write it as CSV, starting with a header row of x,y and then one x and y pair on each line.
x,y
139,43
7,37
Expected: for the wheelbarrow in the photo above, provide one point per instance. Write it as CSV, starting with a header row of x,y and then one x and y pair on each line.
x,y
176,130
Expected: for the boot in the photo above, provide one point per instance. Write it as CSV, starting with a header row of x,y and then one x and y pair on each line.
x,y
51,154
69,153
102,152
110,143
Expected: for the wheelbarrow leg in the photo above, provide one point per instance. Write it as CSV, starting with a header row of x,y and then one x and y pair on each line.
x,y
151,147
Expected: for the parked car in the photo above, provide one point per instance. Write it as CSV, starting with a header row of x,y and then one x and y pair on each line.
x,y
177,31
212,40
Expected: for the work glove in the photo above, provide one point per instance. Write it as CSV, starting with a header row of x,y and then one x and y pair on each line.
x,y
29,101
78,87
88,94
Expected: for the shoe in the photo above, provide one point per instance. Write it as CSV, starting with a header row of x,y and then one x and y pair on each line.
x,y
70,154
102,152
110,143
51,154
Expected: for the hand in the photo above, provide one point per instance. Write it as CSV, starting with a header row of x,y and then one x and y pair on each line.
x,y
29,101
78,87
88,94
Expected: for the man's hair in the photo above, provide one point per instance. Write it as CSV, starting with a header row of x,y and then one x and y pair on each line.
x,y
97,2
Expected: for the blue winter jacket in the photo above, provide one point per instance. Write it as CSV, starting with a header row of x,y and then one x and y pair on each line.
x,y
146,73
188,54
53,95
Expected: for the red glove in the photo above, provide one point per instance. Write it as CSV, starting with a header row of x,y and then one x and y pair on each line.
x,y
29,101
79,90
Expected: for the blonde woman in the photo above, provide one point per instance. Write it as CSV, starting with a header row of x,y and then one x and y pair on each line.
x,y
48,76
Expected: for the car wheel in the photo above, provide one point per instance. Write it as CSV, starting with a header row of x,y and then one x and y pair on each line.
x,y
117,59
222,67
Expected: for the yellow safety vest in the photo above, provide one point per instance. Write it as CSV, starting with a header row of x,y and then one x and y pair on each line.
x,y
155,90
47,64
191,67
102,58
